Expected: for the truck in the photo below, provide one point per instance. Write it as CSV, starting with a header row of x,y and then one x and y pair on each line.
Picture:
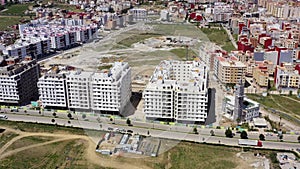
x,y
246,142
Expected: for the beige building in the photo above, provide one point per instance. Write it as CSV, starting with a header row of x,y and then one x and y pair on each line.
x,y
229,71
261,76
242,56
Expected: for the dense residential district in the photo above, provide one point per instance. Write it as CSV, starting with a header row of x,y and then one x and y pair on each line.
x,y
219,72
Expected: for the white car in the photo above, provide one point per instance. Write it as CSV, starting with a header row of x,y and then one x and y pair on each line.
x,y
2,116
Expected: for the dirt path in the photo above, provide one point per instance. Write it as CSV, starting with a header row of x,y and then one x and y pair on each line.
x,y
278,104
292,99
90,152
274,117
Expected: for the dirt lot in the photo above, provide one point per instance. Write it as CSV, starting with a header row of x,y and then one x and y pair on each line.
x,y
65,150
140,45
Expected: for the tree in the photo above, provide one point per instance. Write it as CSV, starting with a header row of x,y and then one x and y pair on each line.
x,y
83,116
195,130
54,114
110,119
228,133
244,135
262,137
69,115
128,122
212,133
53,120
299,139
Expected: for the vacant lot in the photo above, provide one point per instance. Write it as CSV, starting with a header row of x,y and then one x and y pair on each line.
x,y
7,21
6,137
50,150
127,42
288,106
27,141
68,7
181,53
17,9
188,155
220,37
63,154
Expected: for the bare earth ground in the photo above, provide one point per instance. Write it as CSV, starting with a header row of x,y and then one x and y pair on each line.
x,y
94,160
90,153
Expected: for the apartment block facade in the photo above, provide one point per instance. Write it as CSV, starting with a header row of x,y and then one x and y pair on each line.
x,y
18,81
78,89
107,90
229,71
261,76
111,91
177,91
285,79
52,89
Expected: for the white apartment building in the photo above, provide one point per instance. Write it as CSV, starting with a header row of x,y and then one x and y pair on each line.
x,y
111,89
285,79
52,89
177,91
35,47
139,14
18,81
78,90
108,90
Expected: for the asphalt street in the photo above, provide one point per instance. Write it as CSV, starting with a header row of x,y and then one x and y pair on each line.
x,y
163,131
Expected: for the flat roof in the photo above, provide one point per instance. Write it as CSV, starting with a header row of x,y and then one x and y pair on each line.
x,y
260,122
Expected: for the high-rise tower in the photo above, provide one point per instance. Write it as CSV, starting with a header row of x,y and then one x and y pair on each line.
x,y
239,99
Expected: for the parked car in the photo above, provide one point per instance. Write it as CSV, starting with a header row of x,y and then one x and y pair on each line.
x,y
3,116
129,131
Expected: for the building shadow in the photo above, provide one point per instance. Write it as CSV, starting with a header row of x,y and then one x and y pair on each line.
x,y
211,116
131,107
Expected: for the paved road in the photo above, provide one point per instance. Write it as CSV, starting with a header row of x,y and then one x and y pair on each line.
x,y
174,132
63,119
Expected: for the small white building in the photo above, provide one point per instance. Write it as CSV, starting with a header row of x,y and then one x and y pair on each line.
x,y
250,108
164,15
